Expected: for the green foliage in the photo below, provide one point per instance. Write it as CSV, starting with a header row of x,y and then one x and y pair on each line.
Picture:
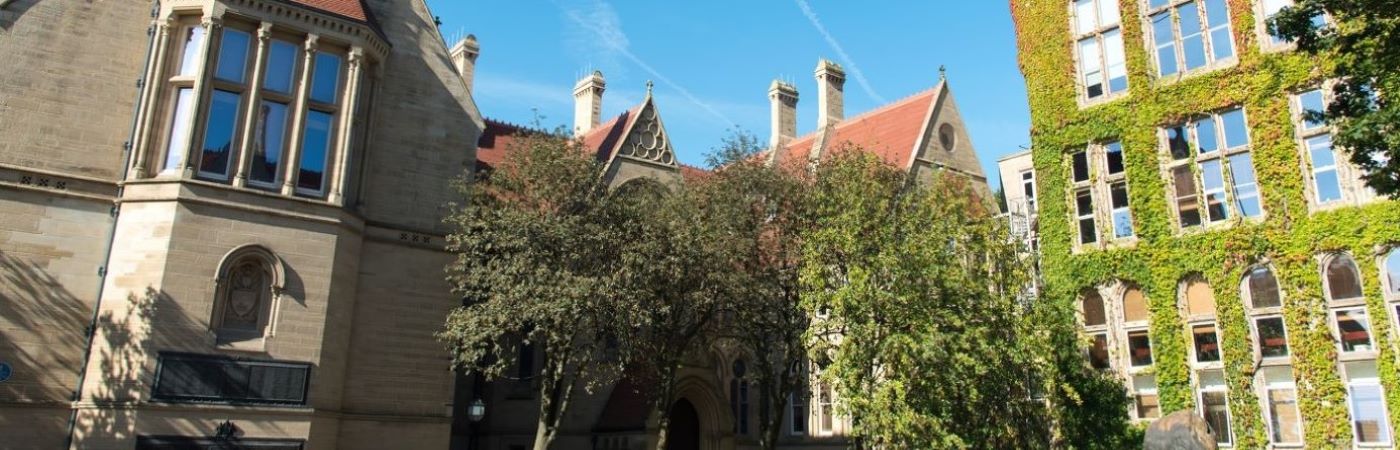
x,y
1365,46
920,326
1288,238
537,249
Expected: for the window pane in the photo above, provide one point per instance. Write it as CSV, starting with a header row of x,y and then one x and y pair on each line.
x,y
1326,182
1342,280
1108,12
1217,415
1236,131
1311,102
1093,308
1392,271
1284,419
1213,185
1200,299
1368,416
1177,143
1207,140
1207,343
1113,153
315,147
1273,341
1263,289
233,55
281,65
218,134
1084,204
1148,406
179,142
268,141
1187,205
1090,64
1116,60
1139,349
1221,42
1084,20
1098,354
1193,45
1166,42
326,80
1081,166
1354,330
1134,306
189,54
1122,216
1246,190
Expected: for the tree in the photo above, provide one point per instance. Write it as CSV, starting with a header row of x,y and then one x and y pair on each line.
x,y
920,327
1364,44
764,209
537,255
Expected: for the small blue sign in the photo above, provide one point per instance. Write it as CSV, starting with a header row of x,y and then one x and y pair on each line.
x,y
5,372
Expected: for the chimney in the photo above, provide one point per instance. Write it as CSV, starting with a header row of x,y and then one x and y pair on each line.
x,y
831,81
464,58
783,97
588,102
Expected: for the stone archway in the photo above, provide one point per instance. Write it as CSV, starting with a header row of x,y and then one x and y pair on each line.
x,y
685,427
711,416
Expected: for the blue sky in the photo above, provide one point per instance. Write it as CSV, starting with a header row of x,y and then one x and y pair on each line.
x,y
712,61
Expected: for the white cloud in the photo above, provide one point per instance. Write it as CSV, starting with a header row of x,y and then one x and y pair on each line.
x,y
521,91
603,37
840,52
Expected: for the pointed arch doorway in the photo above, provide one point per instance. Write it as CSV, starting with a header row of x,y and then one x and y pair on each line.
x,y
685,427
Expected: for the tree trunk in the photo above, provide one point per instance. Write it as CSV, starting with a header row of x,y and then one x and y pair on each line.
x,y
543,436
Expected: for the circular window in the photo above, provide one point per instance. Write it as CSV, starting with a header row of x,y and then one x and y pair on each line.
x,y
947,136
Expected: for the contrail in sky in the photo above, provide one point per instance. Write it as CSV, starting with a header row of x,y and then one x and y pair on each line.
x,y
840,52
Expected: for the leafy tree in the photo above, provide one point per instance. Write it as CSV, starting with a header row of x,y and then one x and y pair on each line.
x,y
764,209
1364,45
920,325
537,247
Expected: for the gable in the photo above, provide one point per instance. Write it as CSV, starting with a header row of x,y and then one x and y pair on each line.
x,y
647,140
945,140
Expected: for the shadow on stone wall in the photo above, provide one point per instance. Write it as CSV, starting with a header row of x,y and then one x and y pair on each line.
x,y
42,338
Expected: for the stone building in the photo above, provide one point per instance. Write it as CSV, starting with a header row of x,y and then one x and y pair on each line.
x,y
220,226
1223,256
221,219
923,134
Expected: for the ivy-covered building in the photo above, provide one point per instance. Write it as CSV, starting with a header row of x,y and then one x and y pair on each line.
x,y
1222,255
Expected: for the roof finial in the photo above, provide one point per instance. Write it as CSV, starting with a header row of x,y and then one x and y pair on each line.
x,y
942,72
650,85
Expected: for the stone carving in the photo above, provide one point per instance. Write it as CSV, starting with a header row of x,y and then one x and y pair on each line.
x,y
648,140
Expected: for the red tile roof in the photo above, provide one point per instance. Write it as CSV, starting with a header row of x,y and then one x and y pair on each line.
x,y
607,137
350,9
890,131
495,140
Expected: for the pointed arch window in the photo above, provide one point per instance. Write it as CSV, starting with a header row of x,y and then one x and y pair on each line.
x,y
739,396
248,285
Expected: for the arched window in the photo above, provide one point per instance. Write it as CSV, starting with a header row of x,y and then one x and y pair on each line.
x,y
1096,325
1342,280
739,397
1390,273
1198,299
1264,304
1265,307
1135,320
247,286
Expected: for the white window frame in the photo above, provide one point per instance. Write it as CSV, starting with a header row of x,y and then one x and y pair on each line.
x,y
1351,185
1208,44
1099,33
1201,390
1028,181
1266,405
1099,186
1351,383
1224,155
1261,313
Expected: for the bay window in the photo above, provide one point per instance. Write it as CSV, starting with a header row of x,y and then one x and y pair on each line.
x,y
253,106
1189,34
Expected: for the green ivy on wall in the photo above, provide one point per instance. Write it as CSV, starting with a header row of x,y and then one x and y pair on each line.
x,y
1289,237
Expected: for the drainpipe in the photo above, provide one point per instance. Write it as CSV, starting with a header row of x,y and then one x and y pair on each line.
x,y
141,85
